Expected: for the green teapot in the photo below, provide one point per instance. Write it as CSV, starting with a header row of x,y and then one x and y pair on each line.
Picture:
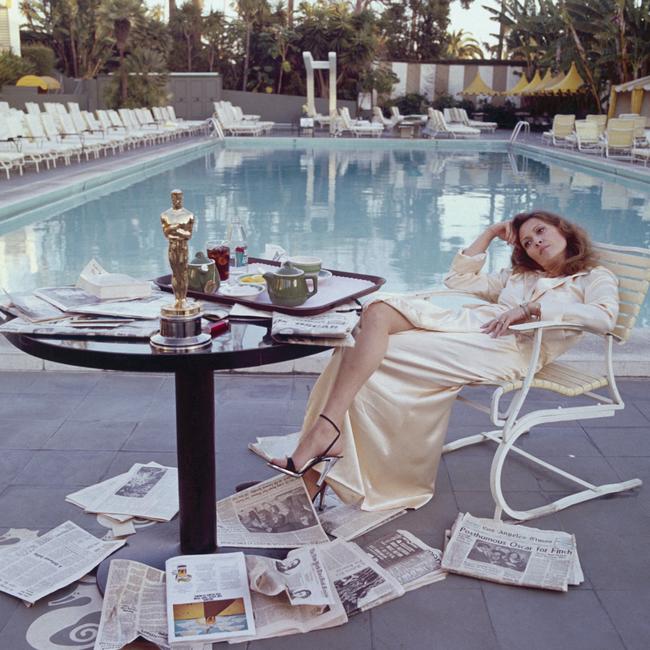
x,y
287,286
202,274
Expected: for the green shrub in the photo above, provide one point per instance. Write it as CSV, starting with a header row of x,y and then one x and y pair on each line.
x,y
12,68
41,56
411,103
503,115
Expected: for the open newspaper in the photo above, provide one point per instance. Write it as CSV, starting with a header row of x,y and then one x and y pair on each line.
x,y
277,513
359,581
512,554
208,598
30,307
407,558
147,491
97,281
347,521
76,327
331,328
33,569
294,595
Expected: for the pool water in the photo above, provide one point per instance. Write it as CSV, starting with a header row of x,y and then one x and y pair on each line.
x,y
398,213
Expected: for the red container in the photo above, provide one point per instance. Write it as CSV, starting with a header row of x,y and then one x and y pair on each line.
x,y
220,253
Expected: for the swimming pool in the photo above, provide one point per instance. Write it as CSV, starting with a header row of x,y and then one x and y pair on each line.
x,y
400,212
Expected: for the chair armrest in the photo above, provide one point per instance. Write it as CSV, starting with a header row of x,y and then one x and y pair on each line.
x,y
555,325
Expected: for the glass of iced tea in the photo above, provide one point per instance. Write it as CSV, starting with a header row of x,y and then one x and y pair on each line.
x,y
219,251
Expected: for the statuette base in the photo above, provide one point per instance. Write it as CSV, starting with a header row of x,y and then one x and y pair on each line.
x,y
180,332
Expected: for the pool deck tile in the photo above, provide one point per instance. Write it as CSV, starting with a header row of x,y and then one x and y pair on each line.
x,y
45,459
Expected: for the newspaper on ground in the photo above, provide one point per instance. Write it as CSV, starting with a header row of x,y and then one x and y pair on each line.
x,y
117,528
407,558
83,328
330,328
269,447
301,576
277,513
33,569
276,616
147,491
512,554
97,281
347,520
31,308
208,598
134,605
359,581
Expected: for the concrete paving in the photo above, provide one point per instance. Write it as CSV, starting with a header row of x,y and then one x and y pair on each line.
x,y
61,431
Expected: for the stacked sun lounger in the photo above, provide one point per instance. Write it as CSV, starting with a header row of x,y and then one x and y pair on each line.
x,y
232,120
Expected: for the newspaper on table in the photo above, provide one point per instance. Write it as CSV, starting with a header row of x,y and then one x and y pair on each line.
x,y
31,308
275,613
33,569
208,598
512,554
347,520
134,605
147,491
359,581
83,328
407,558
277,513
330,328
97,281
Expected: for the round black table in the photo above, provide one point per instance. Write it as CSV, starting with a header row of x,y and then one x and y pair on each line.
x,y
245,345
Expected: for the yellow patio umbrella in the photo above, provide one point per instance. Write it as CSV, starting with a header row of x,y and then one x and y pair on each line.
x,y
548,82
544,82
32,81
51,82
534,82
572,83
478,87
518,87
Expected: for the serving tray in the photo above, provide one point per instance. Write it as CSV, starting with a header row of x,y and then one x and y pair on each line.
x,y
341,288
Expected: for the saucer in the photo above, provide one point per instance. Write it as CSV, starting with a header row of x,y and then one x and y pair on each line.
x,y
241,290
252,279
323,275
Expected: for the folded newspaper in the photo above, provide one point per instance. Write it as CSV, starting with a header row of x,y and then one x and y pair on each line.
x,y
111,286
331,328
35,568
512,554
277,513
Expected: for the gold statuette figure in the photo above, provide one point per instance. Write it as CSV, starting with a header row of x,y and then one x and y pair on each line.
x,y
177,224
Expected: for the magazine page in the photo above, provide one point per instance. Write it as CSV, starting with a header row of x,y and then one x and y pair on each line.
x,y
134,605
33,569
407,558
359,581
276,513
208,598
148,491
347,520
511,554
301,576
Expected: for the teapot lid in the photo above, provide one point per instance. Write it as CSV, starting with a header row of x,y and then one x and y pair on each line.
x,y
288,270
200,259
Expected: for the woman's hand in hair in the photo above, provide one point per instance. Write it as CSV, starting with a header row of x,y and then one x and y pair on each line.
x,y
503,230
499,326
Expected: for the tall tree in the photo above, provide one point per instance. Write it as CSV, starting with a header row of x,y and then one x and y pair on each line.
x,y
250,12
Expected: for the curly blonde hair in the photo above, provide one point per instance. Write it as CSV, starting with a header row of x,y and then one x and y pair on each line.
x,y
580,255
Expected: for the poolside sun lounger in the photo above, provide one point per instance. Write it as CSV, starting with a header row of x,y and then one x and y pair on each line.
x,y
600,121
436,125
619,138
587,138
358,127
459,116
560,131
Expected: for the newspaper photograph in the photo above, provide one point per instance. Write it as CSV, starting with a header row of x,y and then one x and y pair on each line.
x,y
276,513
276,616
359,581
301,576
347,521
407,558
33,569
146,491
208,598
134,605
510,554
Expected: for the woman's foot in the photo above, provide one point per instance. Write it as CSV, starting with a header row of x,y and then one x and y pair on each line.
x,y
322,434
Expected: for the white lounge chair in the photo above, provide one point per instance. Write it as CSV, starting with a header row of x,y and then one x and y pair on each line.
x,y
632,267
378,118
358,127
460,116
232,127
436,125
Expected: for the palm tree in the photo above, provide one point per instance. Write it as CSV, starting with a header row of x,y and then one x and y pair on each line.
x,y
250,12
463,46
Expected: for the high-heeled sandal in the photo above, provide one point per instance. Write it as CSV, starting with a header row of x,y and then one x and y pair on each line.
x,y
329,461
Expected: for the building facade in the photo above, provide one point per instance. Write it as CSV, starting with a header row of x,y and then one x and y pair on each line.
x,y
9,26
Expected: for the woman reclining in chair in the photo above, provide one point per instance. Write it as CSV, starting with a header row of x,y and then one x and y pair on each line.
x,y
382,407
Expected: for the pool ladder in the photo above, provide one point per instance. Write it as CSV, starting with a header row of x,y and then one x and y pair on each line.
x,y
217,130
521,125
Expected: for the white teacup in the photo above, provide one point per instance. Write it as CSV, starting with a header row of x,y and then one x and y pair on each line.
x,y
306,263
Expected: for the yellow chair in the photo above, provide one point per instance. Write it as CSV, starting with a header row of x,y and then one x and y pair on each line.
x,y
587,137
619,138
632,267
600,121
560,131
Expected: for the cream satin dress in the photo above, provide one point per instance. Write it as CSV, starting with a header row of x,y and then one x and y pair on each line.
x,y
394,431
